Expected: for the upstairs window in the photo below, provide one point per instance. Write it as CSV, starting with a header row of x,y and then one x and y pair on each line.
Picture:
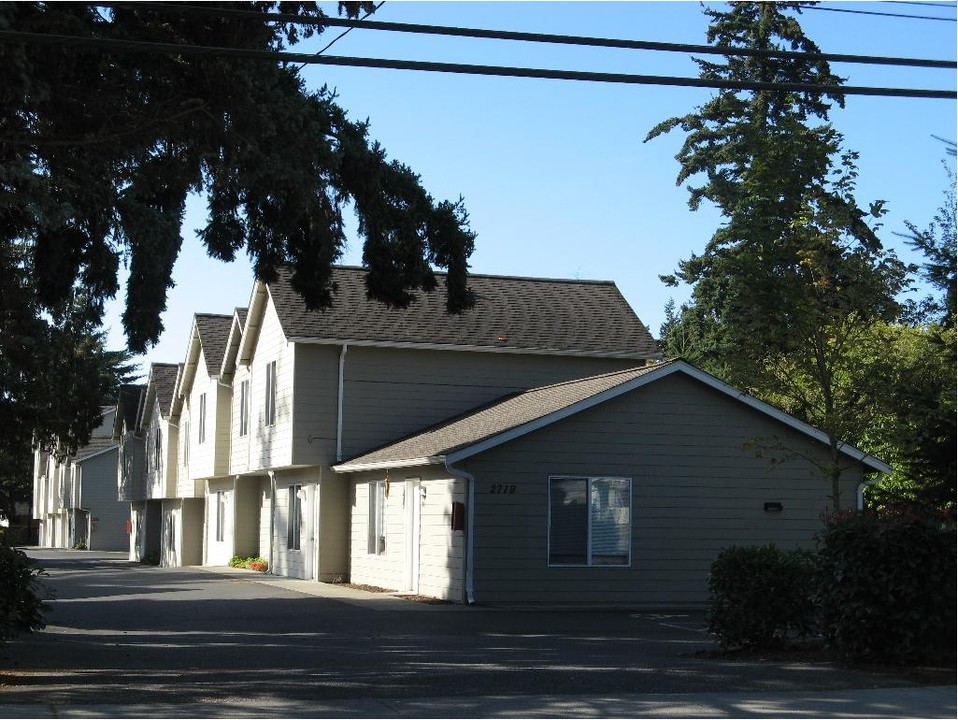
x,y
201,435
270,409
244,408
590,521
157,448
186,443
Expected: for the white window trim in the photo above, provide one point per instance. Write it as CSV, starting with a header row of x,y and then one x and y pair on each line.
x,y
376,518
201,432
244,408
269,413
628,564
294,503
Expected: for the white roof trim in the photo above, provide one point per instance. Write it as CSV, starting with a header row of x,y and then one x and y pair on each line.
x,y
388,464
473,348
652,376
77,461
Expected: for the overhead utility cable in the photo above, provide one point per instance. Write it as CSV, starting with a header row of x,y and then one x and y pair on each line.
x,y
540,37
493,70
881,14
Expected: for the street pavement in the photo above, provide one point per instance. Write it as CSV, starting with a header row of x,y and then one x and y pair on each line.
x,y
125,640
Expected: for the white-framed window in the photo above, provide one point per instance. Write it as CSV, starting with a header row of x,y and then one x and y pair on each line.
x,y
376,541
220,516
201,431
186,443
244,408
590,521
157,448
294,528
270,405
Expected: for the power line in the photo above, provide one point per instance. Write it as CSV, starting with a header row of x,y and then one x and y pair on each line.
x,y
947,5
458,68
540,37
881,14
346,32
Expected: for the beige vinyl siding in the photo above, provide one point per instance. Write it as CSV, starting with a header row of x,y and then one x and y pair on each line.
x,y
271,445
316,389
440,548
333,526
239,458
695,489
191,532
248,504
390,393
209,458
265,503
161,479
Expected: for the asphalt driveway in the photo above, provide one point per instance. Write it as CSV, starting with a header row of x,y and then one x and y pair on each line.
x,y
124,634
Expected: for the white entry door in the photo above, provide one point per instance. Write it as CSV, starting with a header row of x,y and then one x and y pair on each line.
x,y
412,498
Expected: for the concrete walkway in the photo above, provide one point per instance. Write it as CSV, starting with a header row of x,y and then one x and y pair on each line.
x,y
910,702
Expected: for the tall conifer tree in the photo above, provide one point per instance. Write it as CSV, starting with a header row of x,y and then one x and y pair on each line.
x,y
796,273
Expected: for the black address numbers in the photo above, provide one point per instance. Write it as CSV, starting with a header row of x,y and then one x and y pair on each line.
x,y
500,489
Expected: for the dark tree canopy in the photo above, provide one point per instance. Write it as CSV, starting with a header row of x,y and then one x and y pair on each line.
x,y
101,146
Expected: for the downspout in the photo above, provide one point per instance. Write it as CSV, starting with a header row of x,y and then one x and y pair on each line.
x,y
272,517
339,404
469,550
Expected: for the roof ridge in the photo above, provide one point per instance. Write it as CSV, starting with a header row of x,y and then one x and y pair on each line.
x,y
494,276
215,315
591,378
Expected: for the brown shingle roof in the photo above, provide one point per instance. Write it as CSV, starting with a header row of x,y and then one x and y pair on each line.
x,y
214,333
501,416
163,377
94,447
519,314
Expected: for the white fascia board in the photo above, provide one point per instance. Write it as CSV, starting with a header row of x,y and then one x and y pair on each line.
x,y
783,417
254,320
474,348
349,467
650,377
233,341
77,461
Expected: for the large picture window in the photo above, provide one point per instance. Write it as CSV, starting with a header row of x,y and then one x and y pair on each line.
x,y
589,520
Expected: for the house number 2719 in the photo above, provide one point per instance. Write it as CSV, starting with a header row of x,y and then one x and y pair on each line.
x,y
500,489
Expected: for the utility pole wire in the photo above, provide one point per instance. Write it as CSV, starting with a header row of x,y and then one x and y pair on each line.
x,y
881,14
493,70
346,32
539,37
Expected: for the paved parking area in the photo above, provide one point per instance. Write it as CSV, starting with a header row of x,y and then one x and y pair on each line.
x,y
231,643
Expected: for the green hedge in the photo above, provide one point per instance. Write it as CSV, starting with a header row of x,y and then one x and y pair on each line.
x,y
21,595
887,589
761,596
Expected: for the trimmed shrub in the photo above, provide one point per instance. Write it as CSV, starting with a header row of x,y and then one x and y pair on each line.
x,y
887,589
21,595
761,596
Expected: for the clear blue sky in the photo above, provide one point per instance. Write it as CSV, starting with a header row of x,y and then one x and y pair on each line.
x,y
555,174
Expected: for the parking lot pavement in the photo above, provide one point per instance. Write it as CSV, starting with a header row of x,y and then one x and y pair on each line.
x,y
126,640
910,702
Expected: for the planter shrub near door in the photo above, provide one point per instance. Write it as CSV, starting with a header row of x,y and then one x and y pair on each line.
x,y
21,595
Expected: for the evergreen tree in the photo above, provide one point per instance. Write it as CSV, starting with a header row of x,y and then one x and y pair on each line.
x,y
795,275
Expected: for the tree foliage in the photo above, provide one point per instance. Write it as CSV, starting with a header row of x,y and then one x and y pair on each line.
x,y
796,274
100,147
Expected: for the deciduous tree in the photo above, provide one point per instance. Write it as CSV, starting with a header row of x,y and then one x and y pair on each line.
x,y
796,273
